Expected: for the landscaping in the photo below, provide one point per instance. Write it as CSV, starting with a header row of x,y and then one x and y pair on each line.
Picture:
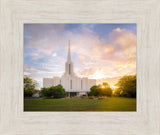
x,y
100,98
81,104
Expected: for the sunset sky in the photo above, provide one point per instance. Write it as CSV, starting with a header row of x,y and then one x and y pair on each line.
x,y
97,50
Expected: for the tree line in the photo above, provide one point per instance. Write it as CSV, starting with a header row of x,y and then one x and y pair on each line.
x,y
126,87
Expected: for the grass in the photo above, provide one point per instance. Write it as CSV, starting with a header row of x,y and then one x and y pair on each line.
x,y
109,104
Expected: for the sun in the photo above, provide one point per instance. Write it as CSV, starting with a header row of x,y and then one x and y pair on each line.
x,y
103,87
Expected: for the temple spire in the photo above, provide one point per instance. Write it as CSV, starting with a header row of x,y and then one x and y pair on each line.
x,y
69,56
69,63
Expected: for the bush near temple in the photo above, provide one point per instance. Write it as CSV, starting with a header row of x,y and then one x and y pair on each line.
x,y
53,92
94,91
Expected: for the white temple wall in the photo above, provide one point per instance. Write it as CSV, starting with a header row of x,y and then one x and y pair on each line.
x,y
56,81
85,84
91,82
74,83
65,82
47,82
79,84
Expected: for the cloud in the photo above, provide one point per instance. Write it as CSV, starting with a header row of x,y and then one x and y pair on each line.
x,y
109,48
30,69
44,38
125,39
45,51
34,54
120,48
54,54
39,74
87,72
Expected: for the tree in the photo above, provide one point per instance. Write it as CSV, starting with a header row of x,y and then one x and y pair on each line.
x,y
29,86
45,92
58,91
106,89
105,84
106,92
101,90
95,91
53,92
126,86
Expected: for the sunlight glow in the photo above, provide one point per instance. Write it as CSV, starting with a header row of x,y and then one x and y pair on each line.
x,y
98,75
103,86
113,87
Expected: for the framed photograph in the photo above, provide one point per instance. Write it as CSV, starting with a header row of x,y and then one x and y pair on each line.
x,y
79,67
95,71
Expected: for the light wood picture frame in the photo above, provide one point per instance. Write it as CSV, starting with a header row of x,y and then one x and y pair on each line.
x,y
14,121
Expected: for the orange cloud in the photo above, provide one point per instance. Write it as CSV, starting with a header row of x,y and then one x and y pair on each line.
x,y
115,55
108,49
87,72
81,57
126,40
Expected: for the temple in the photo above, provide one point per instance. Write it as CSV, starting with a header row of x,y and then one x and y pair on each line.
x,y
73,85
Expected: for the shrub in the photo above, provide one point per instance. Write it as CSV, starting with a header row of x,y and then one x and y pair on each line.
x,y
92,97
53,92
84,97
95,91
102,97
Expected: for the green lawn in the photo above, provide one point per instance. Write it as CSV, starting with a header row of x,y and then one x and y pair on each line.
x,y
110,104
